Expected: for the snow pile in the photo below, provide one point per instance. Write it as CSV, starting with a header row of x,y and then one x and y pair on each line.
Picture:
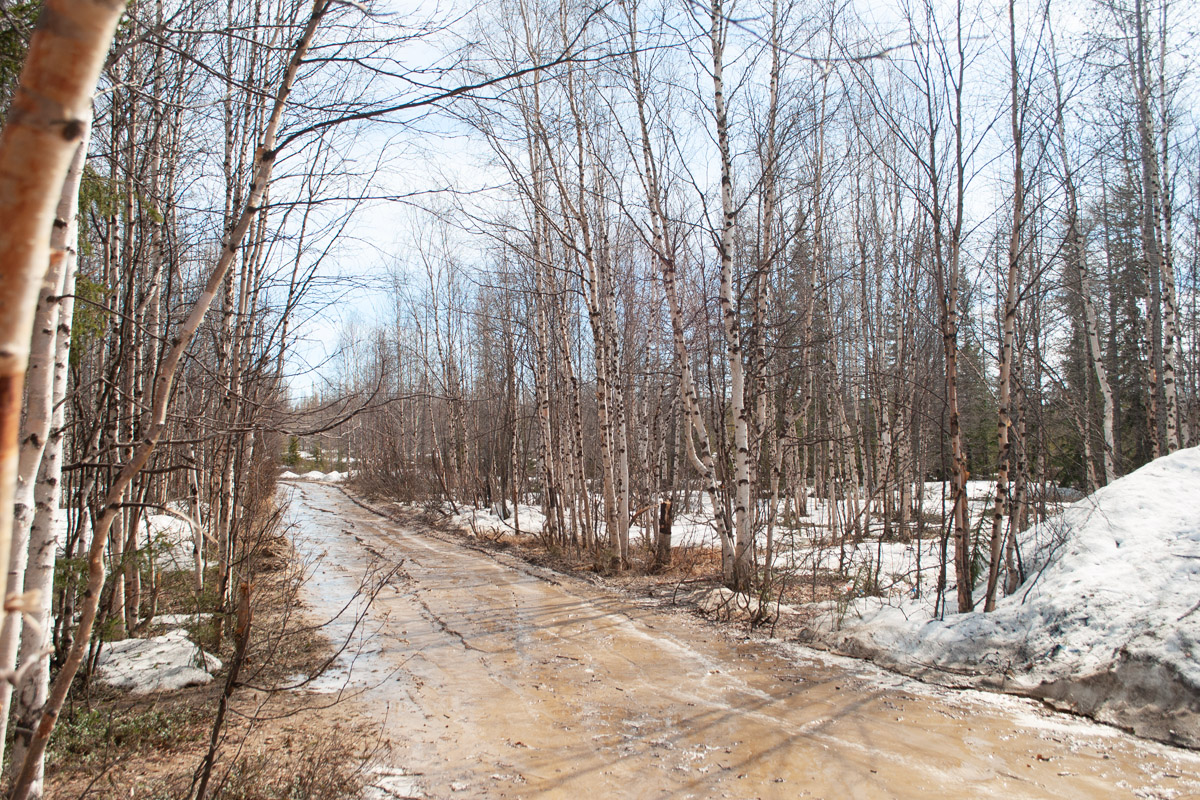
x,y
170,539
725,604
316,475
288,475
1107,624
486,522
175,620
162,663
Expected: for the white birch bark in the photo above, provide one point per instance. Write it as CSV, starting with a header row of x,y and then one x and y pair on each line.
x,y
30,694
157,415
1004,422
695,435
743,564
1077,253
1151,189
197,524
1166,264
40,136
39,408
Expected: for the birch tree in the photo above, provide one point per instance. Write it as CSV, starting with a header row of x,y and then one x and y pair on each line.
x,y
1016,248
45,124
157,415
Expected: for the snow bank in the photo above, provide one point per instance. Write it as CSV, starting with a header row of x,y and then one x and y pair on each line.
x,y
725,604
162,663
486,522
288,475
1108,623
171,540
316,475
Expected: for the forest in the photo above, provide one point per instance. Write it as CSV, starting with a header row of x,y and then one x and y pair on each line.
x,y
801,271
763,255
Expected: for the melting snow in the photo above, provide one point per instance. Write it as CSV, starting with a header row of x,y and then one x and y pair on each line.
x,y
158,664
171,539
486,522
1108,621
316,475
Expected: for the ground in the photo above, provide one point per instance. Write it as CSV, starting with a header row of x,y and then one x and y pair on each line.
x,y
1104,619
466,667
111,743
499,678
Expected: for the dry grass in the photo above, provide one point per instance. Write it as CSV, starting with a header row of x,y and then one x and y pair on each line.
x,y
278,745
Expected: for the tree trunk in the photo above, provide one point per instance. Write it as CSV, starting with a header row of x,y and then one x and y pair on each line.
x,y
43,540
695,434
743,564
157,415
1015,247
666,516
46,121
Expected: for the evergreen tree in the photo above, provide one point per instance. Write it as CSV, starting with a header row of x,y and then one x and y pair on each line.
x,y
292,458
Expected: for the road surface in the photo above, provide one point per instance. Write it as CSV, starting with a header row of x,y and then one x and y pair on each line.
x,y
495,679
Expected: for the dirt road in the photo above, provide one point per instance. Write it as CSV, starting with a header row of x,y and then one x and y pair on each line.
x,y
496,680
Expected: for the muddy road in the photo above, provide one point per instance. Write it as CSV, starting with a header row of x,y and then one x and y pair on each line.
x,y
494,679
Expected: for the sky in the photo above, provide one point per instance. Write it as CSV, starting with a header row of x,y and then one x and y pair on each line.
x,y
419,157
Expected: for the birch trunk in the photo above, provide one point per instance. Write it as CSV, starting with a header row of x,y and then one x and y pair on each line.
x,y
1166,265
695,434
1077,255
197,525
39,575
764,421
542,386
743,564
46,121
1151,252
580,517
157,415
1004,402
39,407
599,294
947,274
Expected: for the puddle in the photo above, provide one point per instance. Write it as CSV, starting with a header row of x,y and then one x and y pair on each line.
x,y
391,783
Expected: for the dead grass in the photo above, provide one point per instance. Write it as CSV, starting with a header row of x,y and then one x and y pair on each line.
x,y
693,569
277,745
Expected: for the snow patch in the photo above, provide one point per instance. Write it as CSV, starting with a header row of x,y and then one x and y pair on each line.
x,y
162,663
1107,623
391,783
487,522
726,604
175,620
171,541
288,475
316,475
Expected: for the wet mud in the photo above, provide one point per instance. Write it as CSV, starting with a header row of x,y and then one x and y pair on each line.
x,y
496,682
